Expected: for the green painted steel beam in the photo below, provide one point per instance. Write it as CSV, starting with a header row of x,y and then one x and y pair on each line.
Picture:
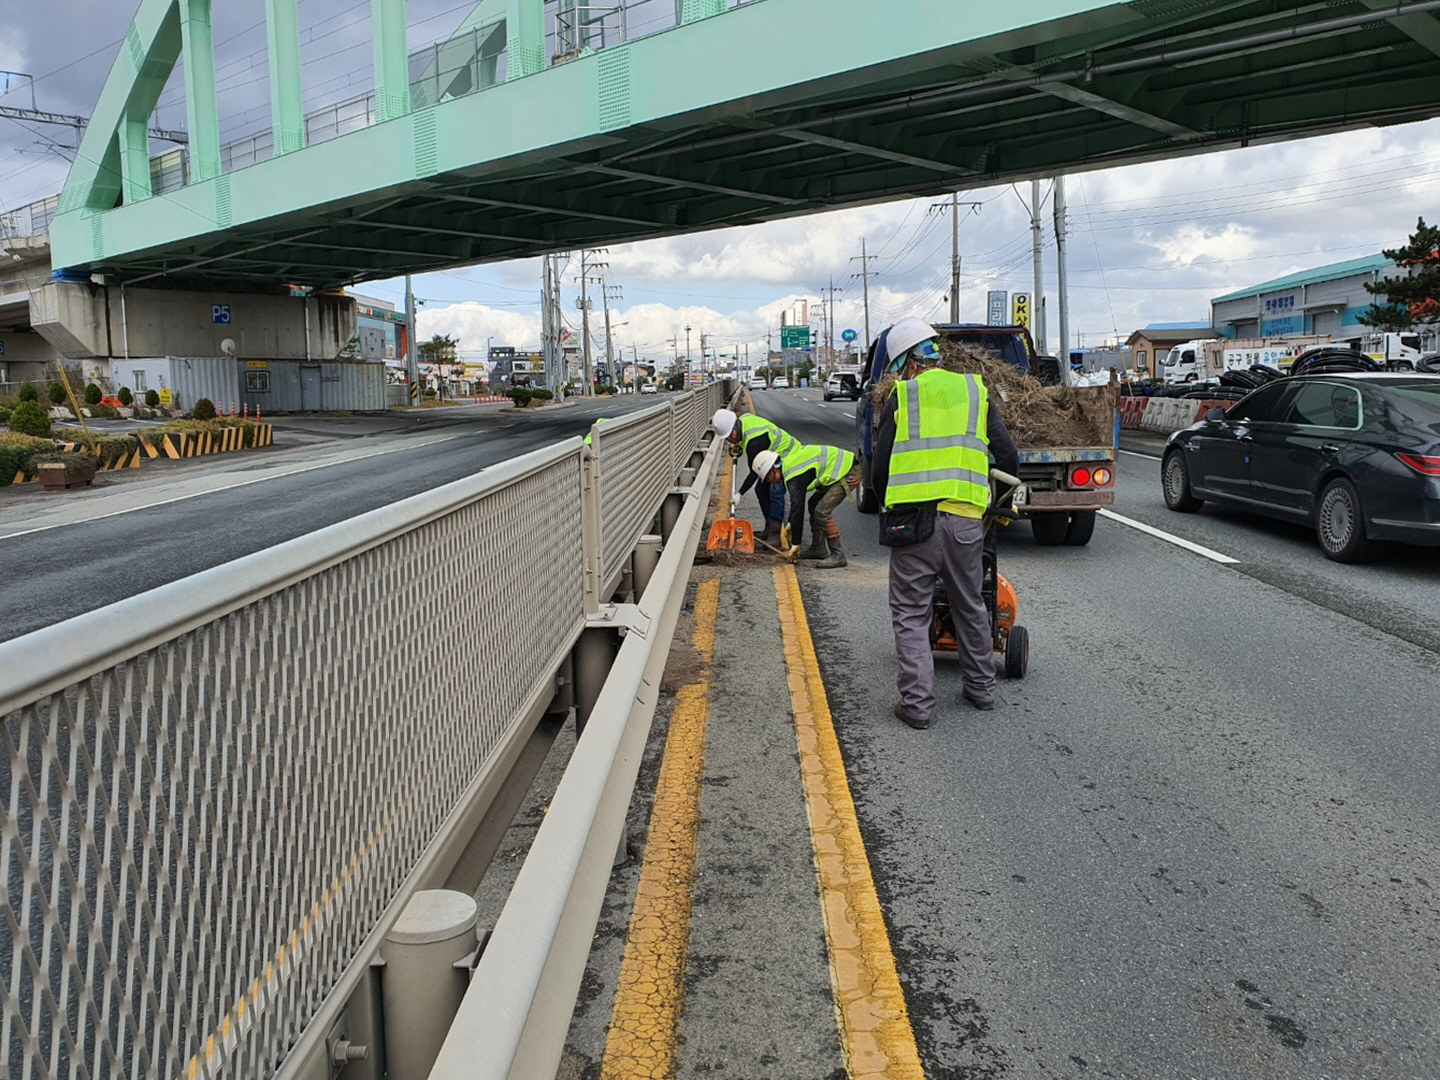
x,y
392,58
202,109
656,137
287,103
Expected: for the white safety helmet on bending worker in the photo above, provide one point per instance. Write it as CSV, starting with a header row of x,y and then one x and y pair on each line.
x,y
723,422
764,463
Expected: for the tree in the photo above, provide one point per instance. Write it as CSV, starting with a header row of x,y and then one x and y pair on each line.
x,y
675,377
440,349
1414,298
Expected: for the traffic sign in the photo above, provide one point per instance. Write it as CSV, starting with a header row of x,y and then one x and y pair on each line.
x,y
794,337
220,313
848,335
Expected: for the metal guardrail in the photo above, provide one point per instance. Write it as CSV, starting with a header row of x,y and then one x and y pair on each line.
x,y
218,795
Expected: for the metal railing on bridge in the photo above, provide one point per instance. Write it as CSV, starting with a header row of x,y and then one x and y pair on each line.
x,y
219,795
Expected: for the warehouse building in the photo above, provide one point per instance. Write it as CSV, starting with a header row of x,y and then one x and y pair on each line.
x,y
1325,300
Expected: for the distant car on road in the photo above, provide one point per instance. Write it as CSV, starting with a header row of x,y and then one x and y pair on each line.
x,y
781,382
842,385
757,383
1354,455
649,388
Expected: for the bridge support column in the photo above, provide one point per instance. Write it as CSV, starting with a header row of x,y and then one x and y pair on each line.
x,y
524,38
287,108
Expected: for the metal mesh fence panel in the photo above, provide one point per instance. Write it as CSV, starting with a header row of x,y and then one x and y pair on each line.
x,y
197,839
633,480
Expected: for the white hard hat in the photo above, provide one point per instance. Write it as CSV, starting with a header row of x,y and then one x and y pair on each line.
x,y
904,336
724,422
764,462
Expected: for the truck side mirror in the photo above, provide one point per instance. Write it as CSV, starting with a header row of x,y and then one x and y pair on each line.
x,y
1215,416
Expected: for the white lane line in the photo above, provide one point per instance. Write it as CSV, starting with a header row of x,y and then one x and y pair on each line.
x,y
1136,453
276,475
1171,538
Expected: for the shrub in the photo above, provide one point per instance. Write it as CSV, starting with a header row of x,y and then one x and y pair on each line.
x,y
126,397
542,394
103,412
16,451
30,418
93,394
152,399
519,395
75,459
204,409
4,415
56,393
28,392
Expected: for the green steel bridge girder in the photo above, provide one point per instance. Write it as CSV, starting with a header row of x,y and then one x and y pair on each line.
x,y
725,120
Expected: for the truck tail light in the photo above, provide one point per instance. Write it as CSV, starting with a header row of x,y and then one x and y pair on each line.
x,y
1421,463
1083,476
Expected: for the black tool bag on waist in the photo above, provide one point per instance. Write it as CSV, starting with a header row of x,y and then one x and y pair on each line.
x,y
902,526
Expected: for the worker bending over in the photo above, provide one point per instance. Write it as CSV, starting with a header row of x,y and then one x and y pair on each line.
x,y
754,435
827,473
931,470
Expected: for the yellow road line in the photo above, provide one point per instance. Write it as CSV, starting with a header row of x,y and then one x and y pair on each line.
x,y
645,1021
875,1033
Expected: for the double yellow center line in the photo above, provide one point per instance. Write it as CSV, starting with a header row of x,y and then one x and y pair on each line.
x,y
875,1033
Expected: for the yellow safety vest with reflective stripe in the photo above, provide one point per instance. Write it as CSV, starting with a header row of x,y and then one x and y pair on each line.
x,y
588,434
752,426
831,464
941,450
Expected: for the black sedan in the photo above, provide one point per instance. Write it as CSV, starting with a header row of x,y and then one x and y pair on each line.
x,y
1356,456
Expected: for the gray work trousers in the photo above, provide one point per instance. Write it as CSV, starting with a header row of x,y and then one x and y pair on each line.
x,y
951,555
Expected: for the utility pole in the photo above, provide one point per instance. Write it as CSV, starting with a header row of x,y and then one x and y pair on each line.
x,y
547,329
864,277
687,345
1037,259
412,374
611,292
586,267
954,207
1061,280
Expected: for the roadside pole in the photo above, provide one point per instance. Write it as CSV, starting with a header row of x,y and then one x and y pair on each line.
x,y
1062,281
1037,249
412,374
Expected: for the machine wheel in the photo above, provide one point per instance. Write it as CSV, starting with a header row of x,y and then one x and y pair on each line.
x,y
1081,528
1017,653
1175,482
1050,528
1339,524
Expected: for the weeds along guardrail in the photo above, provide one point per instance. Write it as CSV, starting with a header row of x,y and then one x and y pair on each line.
x,y
220,794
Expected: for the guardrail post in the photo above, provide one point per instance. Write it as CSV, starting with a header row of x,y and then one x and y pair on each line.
x,y
425,980
594,656
647,557
670,512
592,526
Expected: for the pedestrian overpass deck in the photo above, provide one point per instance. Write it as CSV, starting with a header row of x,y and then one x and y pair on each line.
x,y
735,115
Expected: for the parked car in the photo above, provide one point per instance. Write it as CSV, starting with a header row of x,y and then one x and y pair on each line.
x,y
842,384
782,382
757,383
1354,455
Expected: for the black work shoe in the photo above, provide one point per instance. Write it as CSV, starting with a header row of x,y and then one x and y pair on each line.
x,y
983,706
913,721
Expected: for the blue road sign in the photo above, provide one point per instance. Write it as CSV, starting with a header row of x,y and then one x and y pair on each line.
x,y
219,313
848,335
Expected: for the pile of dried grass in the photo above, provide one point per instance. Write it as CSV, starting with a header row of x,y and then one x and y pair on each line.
x,y
1037,416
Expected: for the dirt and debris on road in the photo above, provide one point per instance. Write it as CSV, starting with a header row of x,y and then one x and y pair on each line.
x,y
1037,416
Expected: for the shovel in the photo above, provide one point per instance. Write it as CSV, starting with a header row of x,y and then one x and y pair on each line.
x,y
732,533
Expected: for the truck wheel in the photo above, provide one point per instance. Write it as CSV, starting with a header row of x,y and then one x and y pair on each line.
x,y
1080,529
1050,527
866,501
1017,653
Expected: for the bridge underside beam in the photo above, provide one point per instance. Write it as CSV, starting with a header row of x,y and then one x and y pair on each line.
x,y
654,138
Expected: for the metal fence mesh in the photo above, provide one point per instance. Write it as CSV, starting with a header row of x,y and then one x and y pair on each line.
x,y
197,840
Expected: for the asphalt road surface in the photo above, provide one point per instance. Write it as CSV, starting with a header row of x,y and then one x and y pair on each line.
x,y
130,531
1199,839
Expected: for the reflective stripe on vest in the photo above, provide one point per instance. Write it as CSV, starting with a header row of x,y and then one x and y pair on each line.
x,y
830,463
781,441
941,451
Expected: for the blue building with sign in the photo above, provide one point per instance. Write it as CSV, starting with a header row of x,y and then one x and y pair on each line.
x,y
1326,300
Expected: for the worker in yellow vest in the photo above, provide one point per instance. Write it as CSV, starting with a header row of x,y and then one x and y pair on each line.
x,y
752,435
827,473
935,439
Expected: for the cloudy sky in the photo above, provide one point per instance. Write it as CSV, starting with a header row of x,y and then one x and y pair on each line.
x,y
1148,243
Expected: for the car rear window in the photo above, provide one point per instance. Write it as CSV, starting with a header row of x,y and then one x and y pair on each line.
x,y
1009,347
1419,404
